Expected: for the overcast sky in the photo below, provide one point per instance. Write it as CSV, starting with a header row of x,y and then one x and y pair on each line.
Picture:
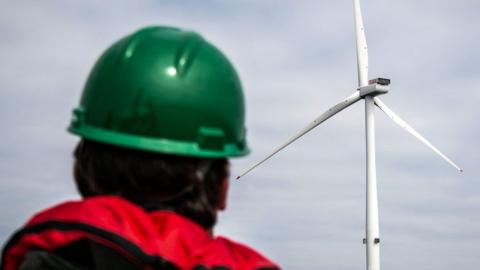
x,y
304,208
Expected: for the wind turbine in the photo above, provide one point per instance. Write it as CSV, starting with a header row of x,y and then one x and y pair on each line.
x,y
369,91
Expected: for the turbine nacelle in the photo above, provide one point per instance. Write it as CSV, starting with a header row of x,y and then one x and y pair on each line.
x,y
376,87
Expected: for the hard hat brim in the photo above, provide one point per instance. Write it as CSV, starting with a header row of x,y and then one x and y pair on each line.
x,y
163,146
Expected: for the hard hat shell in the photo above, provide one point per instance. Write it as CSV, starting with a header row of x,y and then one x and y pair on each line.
x,y
165,90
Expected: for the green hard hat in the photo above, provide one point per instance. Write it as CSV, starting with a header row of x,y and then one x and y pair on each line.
x,y
165,90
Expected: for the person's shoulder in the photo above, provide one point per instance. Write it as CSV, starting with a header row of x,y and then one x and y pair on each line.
x,y
238,255
179,233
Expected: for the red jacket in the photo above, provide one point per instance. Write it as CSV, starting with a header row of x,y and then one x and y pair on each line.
x,y
148,240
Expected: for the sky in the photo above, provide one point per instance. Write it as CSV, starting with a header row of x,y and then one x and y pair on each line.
x,y
305,208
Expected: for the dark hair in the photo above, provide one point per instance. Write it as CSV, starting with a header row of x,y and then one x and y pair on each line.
x,y
187,185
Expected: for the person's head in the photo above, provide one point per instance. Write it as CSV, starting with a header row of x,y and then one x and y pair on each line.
x,y
193,187
160,114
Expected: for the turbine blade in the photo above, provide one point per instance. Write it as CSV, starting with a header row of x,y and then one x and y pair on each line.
x,y
320,119
412,131
362,48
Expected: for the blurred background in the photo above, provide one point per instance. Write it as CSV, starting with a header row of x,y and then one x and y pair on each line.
x,y
305,208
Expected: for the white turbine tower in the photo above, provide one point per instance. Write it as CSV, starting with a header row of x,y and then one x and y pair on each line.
x,y
369,91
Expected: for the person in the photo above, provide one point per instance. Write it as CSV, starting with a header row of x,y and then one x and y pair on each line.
x,y
161,112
